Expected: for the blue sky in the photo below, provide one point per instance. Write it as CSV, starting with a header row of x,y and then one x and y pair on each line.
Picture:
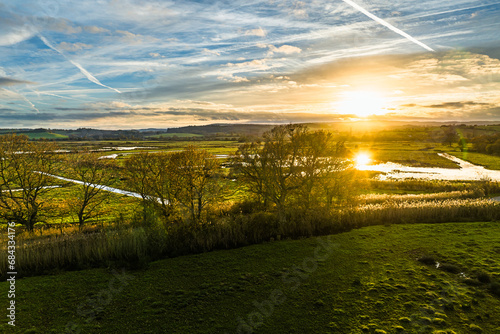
x,y
141,64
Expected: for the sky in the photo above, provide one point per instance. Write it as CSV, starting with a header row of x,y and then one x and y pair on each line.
x,y
134,64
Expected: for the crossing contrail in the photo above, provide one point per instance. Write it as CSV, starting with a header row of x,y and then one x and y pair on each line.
x,y
50,94
80,67
386,24
16,94
29,102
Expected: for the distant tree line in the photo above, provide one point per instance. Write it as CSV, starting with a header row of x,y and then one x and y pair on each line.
x,y
489,144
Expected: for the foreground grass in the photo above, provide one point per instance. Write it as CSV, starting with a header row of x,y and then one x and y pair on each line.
x,y
365,281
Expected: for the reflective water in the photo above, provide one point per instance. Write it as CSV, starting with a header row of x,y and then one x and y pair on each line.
x,y
111,156
106,188
467,171
124,148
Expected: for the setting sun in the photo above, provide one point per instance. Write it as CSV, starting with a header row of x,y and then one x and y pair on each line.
x,y
362,159
362,103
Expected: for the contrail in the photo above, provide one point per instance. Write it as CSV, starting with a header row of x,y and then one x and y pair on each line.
x,y
50,94
29,102
80,67
388,25
22,97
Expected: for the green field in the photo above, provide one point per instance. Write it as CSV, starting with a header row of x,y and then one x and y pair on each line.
x,y
364,281
178,135
212,146
481,159
402,276
44,135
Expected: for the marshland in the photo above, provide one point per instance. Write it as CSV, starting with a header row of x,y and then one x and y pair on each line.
x,y
234,219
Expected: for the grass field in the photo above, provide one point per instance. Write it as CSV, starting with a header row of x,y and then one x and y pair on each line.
x,y
115,206
212,146
364,281
44,135
481,159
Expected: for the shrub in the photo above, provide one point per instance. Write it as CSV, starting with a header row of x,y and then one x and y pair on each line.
x,y
483,277
451,268
495,288
246,207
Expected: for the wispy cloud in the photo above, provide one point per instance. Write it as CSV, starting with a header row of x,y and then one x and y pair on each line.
x,y
80,67
4,81
13,31
256,32
74,46
95,30
387,24
286,49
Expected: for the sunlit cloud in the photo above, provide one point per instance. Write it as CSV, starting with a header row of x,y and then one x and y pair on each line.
x,y
95,30
285,49
131,38
72,47
256,32
275,58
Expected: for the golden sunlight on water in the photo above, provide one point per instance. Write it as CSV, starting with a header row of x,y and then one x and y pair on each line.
x,y
362,159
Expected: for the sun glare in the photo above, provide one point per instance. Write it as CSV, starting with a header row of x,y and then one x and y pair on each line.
x,y
362,103
362,159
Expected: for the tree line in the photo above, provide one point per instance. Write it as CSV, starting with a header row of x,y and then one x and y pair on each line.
x,y
291,168
489,144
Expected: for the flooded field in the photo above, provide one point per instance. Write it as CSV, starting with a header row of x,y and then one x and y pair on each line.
x,y
467,171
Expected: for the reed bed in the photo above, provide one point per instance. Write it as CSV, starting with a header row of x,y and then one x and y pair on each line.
x,y
486,186
136,246
450,210
409,198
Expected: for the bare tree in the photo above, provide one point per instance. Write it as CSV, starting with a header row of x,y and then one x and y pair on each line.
x,y
93,173
272,169
337,181
195,173
25,169
293,165
252,166
150,175
160,183
315,158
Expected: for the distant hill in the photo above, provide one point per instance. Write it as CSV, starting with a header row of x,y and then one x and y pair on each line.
x,y
37,133
248,131
224,129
